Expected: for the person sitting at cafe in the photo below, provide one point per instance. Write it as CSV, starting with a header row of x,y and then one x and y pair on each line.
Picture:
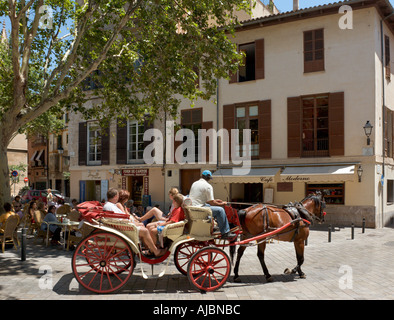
x,y
3,218
176,215
30,210
17,204
74,203
41,206
54,229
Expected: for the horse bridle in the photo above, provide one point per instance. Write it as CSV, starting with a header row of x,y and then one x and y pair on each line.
x,y
322,213
322,207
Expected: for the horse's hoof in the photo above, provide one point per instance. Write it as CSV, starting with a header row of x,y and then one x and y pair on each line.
x,y
237,279
303,276
287,271
269,279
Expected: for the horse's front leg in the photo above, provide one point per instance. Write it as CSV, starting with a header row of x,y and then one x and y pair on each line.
x,y
260,255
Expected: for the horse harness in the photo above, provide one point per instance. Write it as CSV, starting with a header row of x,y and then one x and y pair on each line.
x,y
295,211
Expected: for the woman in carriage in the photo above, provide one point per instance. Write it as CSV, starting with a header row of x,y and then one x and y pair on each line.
x,y
176,215
110,205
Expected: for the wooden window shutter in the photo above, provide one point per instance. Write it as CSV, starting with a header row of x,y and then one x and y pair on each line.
x,y
336,123
82,143
229,123
105,139
387,58
388,133
233,76
186,116
176,143
392,133
259,49
191,116
196,115
294,127
121,142
314,50
265,129
206,126
386,136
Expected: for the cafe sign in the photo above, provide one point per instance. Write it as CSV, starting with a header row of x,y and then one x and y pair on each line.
x,y
296,178
135,172
266,179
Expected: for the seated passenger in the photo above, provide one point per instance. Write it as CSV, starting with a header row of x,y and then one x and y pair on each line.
x,y
110,205
156,212
176,215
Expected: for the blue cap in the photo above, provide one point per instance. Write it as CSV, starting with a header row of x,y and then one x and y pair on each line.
x,y
207,173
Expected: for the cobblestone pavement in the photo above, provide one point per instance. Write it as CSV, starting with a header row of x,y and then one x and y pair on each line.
x,y
344,269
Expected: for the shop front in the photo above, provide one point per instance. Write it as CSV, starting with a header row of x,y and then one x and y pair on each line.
x,y
339,183
245,186
136,181
330,180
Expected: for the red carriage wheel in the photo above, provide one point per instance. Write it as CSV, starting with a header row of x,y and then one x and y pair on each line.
x,y
209,269
103,262
183,254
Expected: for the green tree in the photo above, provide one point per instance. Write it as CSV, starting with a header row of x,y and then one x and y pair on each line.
x,y
137,55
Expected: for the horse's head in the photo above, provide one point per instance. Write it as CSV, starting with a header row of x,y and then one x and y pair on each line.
x,y
315,204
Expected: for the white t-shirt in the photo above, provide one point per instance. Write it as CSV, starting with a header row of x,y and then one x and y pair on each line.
x,y
109,206
200,193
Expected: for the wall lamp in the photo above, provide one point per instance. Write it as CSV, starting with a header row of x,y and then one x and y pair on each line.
x,y
360,172
368,130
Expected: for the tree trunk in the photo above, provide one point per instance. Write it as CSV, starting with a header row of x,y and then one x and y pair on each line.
x,y
5,188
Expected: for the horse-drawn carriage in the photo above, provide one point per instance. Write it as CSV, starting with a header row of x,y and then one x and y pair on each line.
x,y
105,259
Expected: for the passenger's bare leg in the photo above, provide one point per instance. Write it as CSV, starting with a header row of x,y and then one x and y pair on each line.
x,y
146,238
154,212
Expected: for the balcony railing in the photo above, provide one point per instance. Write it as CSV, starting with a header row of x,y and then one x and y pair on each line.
x,y
312,148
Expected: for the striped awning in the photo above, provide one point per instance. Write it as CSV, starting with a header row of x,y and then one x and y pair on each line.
x,y
329,173
239,175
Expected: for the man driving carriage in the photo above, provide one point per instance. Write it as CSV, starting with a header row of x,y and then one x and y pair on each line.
x,y
201,194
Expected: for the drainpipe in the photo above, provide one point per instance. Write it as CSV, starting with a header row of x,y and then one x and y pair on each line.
x,y
383,106
217,123
217,136
164,159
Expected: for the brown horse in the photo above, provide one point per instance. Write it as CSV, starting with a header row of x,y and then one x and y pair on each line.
x,y
261,219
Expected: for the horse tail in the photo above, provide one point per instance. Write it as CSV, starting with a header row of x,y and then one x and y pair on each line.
x,y
241,216
232,251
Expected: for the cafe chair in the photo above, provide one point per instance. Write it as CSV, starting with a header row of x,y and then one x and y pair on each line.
x,y
10,234
38,220
64,209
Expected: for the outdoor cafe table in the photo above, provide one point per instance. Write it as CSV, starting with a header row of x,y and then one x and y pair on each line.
x,y
64,225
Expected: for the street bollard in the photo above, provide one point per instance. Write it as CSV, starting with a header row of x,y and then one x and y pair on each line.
x,y
363,225
329,233
352,231
23,246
